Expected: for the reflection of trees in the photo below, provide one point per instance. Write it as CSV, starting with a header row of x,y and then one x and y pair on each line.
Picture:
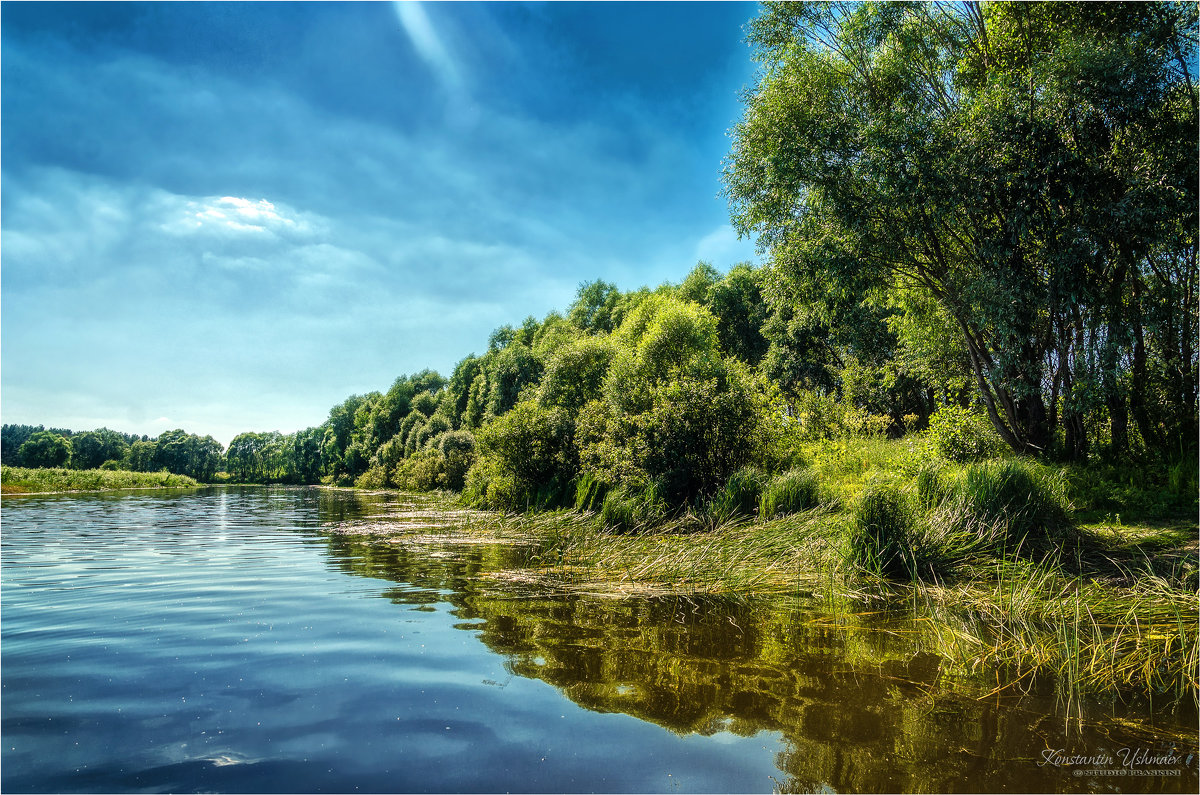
x,y
860,706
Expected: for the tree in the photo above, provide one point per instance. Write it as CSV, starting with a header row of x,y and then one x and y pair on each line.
x,y
1026,166
90,449
182,453
11,439
44,449
595,307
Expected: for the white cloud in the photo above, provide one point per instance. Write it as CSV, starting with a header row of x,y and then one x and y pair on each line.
x,y
231,214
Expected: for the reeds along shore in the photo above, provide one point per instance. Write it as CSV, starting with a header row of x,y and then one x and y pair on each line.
x,y
21,480
1005,564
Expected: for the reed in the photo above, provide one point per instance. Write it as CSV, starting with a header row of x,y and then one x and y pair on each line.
x,y
790,492
21,480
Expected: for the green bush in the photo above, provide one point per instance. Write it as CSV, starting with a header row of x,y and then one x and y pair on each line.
x,y
486,486
962,435
790,492
458,454
739,497
422,471
534,445
374,478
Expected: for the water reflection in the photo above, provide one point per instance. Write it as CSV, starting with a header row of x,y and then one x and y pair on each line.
x,y
212,640
858,702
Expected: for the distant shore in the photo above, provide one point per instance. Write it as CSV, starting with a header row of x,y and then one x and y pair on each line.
x,y
23,481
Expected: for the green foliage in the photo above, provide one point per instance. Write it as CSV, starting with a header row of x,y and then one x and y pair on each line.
x,y
627,510
534,446
457,449
882,540
696,285
739,496
183,453
421,472
789,492
1013,507
90,449
374,478
1011,178
575,373
738,303
425,403
12,436
45,449
595,307
17,480
513,369
932,486
140,457
961,435
590,492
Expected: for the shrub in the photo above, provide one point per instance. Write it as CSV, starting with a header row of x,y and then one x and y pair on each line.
x,y
739,497
458,454
575,373
426,433
374,478
535,446
420,472
962,435
790,492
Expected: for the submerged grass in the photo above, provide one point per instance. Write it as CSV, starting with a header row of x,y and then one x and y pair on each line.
x,y
1132,632
20,480
986,562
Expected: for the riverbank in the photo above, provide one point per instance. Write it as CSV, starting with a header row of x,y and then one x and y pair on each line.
x,y
1033,572
16,481
1125,623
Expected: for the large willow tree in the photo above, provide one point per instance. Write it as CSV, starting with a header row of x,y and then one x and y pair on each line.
x,y
1029,169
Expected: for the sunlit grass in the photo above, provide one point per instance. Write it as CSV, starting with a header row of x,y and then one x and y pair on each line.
x,y
19,480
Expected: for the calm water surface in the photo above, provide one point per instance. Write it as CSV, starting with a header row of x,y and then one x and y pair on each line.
x,y
233,640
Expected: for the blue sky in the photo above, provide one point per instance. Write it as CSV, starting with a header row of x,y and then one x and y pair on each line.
x,y
230,217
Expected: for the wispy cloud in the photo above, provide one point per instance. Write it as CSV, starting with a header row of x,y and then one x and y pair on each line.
x,y
186,239
426,41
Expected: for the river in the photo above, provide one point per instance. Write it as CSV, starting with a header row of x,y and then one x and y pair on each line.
x,y
247,640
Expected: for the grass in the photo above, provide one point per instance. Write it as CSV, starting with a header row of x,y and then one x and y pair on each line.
x,y
1000,565
18,480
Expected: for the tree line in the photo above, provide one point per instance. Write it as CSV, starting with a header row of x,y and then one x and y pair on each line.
x,y
983,212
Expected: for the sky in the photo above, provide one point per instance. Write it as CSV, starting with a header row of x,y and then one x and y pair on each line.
x,y
230,217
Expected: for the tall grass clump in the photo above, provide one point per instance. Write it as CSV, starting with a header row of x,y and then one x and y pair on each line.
x,y
882,534
627,510
590,492
790,492
1011,506
738,497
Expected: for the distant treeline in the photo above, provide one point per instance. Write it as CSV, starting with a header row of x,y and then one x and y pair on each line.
x,y
979,219
174,451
